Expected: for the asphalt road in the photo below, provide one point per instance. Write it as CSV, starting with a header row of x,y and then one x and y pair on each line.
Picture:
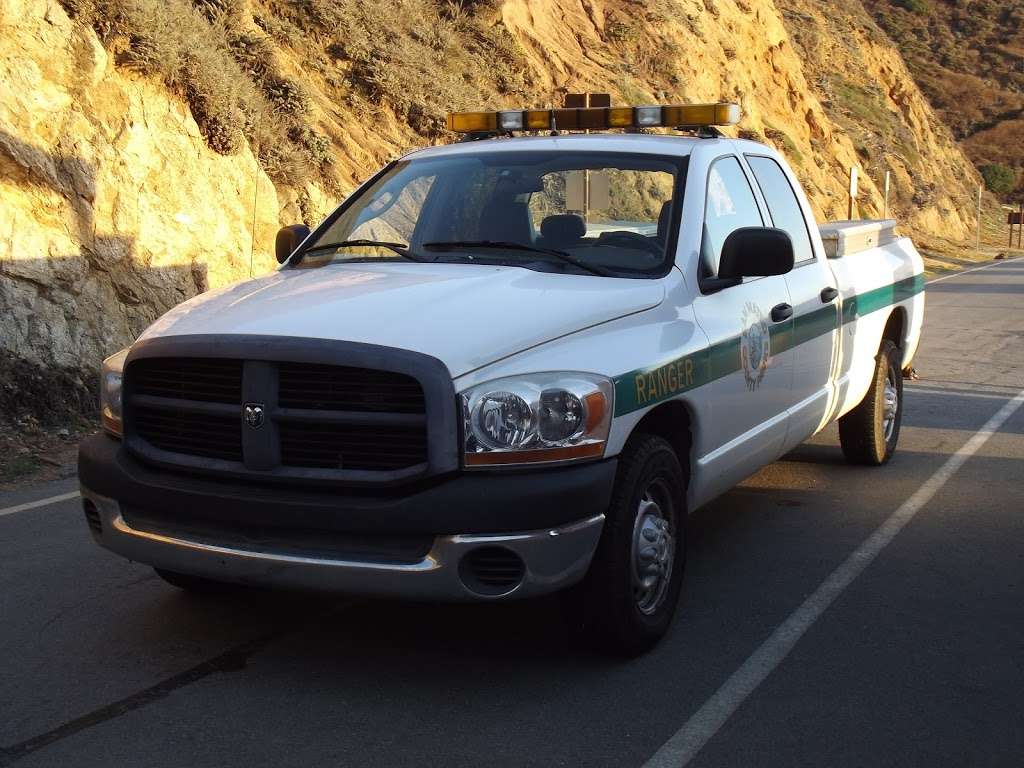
x,y
907,646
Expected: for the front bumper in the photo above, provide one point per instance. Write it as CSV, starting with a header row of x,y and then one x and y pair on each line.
x,y
550,521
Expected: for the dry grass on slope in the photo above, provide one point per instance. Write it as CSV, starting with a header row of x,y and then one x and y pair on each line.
x,y
286,76
968,58
226,71
418,58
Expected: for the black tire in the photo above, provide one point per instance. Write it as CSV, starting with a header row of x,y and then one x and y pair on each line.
x,y
193,584
608,607
865,433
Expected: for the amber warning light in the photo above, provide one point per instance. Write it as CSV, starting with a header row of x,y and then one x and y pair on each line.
x,y
595,118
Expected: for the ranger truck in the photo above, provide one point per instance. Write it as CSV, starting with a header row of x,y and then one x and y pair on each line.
x,y
506,367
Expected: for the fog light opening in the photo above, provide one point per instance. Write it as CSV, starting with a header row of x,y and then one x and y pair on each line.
x,y
491,571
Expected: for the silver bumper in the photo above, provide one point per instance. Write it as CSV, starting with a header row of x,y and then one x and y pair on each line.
x,y
552,560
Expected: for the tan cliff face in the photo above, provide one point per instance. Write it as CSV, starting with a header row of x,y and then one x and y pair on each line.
x,y
817,80
113,207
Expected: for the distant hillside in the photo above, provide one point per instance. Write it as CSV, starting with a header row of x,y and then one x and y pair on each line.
x,y
968,58
150,148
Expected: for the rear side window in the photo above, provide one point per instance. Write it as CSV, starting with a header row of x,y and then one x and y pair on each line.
x,y
730,206
782,205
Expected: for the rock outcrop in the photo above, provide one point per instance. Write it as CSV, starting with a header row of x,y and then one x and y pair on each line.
x,y
112,208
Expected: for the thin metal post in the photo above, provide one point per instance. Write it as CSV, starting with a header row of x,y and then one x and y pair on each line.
x,y
255,200
977,244
885,200
1020,225
853,191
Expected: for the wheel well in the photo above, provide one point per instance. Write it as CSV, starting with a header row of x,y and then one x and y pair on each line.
x,y
671,421
895,326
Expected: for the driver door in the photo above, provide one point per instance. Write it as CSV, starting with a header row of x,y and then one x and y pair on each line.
x,y
750,367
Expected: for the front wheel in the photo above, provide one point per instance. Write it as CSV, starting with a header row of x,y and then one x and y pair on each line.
x,y
868,434
627,601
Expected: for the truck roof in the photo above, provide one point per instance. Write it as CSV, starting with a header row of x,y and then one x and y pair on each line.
x,y
654,144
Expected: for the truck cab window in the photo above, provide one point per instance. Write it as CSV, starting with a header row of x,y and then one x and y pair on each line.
x,y
730,206
609,214
393,212
782,205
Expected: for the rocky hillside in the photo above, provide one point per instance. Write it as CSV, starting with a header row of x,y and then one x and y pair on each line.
x,y
149,148
968,58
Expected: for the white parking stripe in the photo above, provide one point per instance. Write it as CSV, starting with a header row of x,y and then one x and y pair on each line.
x,y
954,393
41,503
973,269
705,723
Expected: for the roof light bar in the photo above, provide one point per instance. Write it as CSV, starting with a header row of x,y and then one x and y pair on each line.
x,y
510,121
647,116
596,118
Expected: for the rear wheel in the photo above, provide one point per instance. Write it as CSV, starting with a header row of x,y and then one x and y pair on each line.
x,y
869,433
627,601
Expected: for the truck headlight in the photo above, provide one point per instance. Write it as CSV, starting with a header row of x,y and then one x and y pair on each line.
x,y
111,377
536,418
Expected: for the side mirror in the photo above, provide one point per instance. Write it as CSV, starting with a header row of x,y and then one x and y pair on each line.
x,y
288,239
755,252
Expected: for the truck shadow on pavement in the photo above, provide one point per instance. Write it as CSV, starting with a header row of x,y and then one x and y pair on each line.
x,y
354,638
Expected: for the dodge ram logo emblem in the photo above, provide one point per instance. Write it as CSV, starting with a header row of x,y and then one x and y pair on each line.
x,y
253,414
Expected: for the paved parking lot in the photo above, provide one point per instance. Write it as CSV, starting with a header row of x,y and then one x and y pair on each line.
x,y
831,615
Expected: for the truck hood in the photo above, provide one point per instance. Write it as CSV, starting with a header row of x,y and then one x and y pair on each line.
x,y
466,315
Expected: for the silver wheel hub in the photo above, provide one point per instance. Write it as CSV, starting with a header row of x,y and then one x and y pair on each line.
x,y
653,550
890,406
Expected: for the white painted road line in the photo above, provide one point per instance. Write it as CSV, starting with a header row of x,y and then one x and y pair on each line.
x,y
706,722
41,503
999,263
954,393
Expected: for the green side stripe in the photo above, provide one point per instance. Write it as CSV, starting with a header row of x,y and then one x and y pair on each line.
x,y
722,359
880,298
647,386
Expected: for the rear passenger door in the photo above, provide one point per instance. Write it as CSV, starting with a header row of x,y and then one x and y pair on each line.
x,y
750,382
812,287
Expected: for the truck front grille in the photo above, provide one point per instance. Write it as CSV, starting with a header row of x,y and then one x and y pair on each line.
x,y
337,388
338,446
314,421
211,381
197,434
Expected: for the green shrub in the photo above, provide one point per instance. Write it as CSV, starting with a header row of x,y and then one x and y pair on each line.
x,y
999,179
620,32
254,53
914,6
220,9
286,96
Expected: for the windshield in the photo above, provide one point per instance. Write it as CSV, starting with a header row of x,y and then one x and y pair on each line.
x,y
588,212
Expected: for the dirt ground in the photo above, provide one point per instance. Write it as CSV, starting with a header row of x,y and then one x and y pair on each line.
x,y
29,453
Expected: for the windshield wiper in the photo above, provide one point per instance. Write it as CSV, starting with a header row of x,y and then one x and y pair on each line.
x,y
400,248
455,245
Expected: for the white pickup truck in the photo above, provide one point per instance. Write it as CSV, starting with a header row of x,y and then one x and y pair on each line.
x,y
506,367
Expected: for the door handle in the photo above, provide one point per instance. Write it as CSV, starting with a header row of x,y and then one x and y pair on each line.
x,y
781,312
828,293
